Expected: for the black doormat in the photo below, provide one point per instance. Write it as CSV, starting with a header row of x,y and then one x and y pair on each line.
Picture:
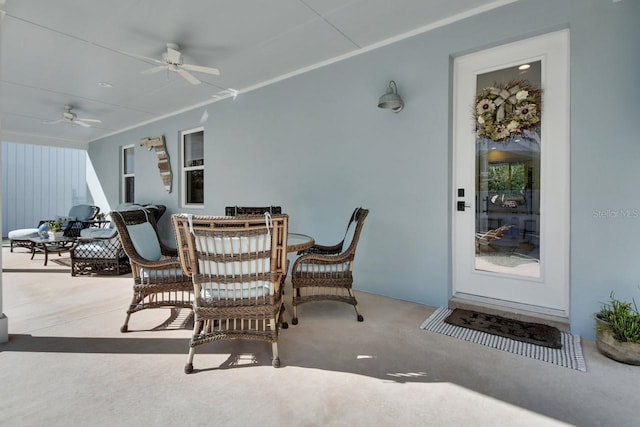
x,y
533,333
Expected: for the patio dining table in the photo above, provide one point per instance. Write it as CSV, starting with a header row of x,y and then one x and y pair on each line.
x,y
299,242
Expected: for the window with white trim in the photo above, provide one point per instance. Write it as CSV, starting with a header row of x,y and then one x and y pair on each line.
x,y
193,167
128,173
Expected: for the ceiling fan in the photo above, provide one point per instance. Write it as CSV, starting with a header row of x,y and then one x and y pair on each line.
x,y
172,60
70,117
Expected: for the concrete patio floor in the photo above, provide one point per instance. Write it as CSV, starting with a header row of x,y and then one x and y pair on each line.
x,y
66,363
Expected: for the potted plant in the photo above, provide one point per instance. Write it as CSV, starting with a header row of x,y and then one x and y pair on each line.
x,y
55,230
618,330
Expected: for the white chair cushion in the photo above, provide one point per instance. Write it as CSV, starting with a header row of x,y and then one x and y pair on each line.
x,y
97,249
215,291
23,234
98,233
323,268
236,246
160,274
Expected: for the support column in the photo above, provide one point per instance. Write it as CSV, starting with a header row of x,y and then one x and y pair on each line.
x,y
4,321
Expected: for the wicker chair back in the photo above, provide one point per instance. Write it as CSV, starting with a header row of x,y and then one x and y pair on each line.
x,y
237,265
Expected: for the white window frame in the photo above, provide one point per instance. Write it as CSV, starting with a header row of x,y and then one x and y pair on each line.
x,y
184,169
125,175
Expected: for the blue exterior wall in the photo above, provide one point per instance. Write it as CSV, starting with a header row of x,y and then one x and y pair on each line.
x,y
317,145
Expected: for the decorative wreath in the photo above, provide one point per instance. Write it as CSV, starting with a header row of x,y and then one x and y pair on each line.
x,y
503,111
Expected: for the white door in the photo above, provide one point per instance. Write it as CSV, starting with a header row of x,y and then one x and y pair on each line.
x,y
511,175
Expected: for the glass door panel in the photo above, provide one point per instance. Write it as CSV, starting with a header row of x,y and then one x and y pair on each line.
x,y
508,177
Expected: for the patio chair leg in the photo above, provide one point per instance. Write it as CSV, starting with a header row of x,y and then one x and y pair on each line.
x,y
125,327
359,316
275,362
282,317
355,306
188,368
294,320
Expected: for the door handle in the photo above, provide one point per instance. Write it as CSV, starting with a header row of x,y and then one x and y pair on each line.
x,y
461,205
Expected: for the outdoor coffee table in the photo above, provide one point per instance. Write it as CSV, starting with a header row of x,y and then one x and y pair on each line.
x,y
46,246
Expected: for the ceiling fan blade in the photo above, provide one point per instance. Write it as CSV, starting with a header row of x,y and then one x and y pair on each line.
x,y
81,123
154,70
53,122
144,58
89,120
188,76
200,69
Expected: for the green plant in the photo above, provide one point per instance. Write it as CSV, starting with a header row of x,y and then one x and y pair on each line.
x,y
55,226
621,318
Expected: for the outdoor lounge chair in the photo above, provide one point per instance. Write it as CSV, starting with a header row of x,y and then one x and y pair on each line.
x,y
158,281
326,272
76,220
237,265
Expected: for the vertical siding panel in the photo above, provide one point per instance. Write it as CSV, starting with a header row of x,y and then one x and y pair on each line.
x,y
40,182
11,176
28,181
36,162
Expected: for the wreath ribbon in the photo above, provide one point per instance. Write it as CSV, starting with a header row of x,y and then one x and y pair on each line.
x,y
505,101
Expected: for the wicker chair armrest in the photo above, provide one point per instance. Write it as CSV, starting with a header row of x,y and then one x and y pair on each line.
x,y
322,259
322,249
162,264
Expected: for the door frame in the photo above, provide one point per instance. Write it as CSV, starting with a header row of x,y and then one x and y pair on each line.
x,y
553,49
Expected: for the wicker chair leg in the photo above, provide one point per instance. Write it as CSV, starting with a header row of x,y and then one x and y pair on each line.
x,y
188,368
358,315
125,327
294,320
282,317
275,362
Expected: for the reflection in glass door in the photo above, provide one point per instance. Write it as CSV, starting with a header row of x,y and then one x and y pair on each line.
x,y
507,221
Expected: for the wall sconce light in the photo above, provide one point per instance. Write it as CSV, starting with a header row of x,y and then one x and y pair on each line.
x,y
391,99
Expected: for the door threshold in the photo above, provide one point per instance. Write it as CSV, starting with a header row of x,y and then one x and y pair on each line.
x,y
523,315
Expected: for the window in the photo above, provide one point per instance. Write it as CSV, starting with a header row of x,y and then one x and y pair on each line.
x,y
193,167
128,173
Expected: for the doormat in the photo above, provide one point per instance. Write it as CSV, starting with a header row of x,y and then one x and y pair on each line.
x,y
569,356
533,333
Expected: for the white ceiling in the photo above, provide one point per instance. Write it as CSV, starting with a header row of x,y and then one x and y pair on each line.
x,y
55,52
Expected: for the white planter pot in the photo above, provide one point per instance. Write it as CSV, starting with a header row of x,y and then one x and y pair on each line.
x,y
54,235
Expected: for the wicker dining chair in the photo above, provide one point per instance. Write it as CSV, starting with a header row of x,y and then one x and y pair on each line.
x,y
158,280
237,265
326,272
